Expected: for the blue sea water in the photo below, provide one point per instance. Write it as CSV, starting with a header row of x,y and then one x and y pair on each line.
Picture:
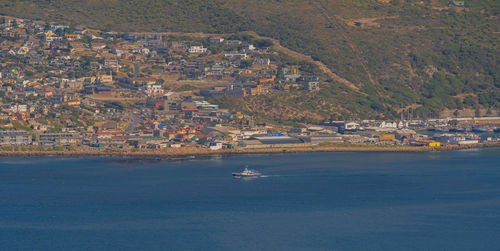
x,y
305,201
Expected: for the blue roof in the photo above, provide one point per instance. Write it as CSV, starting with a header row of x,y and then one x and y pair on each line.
x,y
275,134
276,141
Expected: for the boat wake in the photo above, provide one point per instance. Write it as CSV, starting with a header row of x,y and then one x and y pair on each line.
x,y
272,176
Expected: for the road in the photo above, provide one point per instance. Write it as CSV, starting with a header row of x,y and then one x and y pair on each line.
x,y
135,118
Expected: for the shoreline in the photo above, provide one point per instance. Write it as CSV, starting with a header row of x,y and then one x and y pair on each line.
x,y
203,152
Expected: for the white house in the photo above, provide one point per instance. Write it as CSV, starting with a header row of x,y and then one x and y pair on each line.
x,y
216,40
154,90
23,50
262,61
248,48
236,56
119,51
351,126
215,146
388,125
197,49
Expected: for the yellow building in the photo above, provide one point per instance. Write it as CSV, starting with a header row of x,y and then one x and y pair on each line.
x,y
434,144
75,102
50,34
106,79
387,136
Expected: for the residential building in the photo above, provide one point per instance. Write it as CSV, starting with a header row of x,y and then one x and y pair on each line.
x,y
311,86
98,46
57,139
72,37
262,61
197,49
112,64
235,56
154,90
105,78
15,138
216,40
248,48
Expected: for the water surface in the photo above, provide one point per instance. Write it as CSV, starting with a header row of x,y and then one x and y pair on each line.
x,y
305,201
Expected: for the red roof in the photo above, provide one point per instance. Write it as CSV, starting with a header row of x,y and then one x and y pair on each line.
x,y
200,135
106,133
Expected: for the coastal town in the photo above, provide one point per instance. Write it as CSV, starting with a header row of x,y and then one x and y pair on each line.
x,y
75,89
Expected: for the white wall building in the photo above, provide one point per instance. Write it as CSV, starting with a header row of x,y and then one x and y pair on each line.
x,y
236,56
154,90
197,49
215,146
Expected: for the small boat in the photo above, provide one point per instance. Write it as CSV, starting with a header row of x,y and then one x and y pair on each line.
x,y
247,174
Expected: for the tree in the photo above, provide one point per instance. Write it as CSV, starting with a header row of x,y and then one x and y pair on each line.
x,y
245,64
469,101
160,81
477,113
262,43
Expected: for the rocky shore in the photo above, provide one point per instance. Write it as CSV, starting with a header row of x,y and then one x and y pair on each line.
x,y
192,151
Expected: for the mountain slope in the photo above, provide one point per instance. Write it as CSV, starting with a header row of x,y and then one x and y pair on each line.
x,y
402,54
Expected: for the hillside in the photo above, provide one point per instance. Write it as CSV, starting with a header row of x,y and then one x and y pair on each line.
x,y
400,54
